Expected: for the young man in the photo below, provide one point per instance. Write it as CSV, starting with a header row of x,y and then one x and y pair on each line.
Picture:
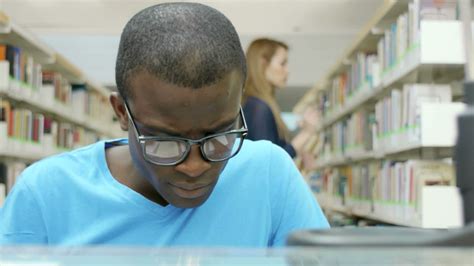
x,y
185,176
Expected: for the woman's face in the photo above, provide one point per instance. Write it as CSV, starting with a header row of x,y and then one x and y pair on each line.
x,y
277,70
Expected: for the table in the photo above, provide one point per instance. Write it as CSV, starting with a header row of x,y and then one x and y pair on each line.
x,y
109,255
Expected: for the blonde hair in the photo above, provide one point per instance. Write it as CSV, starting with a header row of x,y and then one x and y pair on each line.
x,y
259,54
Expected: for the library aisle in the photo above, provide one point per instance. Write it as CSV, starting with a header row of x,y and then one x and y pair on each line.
x,y
47,104
382,151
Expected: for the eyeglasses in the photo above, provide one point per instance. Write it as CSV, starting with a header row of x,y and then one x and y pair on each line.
x,y
173,150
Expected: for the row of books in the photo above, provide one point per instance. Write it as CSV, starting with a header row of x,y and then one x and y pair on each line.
x,y
365,70
401,36
19,69
396,113
9,171
361,75
19,124
402,108
75,101
396,182
415,193
20,66
21,75
57,87
349,134
91,104
404,33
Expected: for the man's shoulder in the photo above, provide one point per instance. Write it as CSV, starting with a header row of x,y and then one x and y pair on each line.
x,y
78,160
263,164
263,149
78,155
260,147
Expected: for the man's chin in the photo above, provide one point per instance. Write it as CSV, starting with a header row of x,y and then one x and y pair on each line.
x,y
189,198
189,203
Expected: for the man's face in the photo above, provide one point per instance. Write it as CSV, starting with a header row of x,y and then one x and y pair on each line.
x,y
166,110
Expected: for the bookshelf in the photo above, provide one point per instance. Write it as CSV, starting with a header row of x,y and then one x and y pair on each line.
x,y
14,34
436,133
55,110
386,109
429,215
47,104
412,63
407,198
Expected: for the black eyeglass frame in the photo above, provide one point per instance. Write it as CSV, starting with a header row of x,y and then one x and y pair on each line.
x,y
188,142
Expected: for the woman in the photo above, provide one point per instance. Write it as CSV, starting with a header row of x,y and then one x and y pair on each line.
x,y
267,71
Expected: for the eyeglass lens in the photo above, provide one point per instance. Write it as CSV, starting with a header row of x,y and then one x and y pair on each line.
x,y
217,148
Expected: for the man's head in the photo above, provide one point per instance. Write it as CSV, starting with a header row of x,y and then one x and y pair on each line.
x,y
186,44
181,69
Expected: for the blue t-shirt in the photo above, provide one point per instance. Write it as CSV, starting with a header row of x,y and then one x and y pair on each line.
x,y
72,199
262,125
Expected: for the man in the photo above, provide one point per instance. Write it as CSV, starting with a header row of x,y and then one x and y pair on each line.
x,y
185,176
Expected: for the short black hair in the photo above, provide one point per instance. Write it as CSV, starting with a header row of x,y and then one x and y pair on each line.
x,y
186,44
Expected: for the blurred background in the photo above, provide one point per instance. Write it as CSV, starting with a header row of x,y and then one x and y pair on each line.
x,y
87,31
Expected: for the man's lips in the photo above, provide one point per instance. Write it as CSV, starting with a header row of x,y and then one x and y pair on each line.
x,y
187,186
190,191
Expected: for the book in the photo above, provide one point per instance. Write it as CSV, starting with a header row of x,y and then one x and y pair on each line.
x,y
4,114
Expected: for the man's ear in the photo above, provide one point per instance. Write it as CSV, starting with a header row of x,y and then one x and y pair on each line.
x,y
119,108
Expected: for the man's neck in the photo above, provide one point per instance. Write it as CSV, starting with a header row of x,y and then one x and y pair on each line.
x,y
122,169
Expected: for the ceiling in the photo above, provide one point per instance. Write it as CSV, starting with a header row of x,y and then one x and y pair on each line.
x,y
87,31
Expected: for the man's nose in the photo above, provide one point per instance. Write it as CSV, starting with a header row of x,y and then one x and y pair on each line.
x,y
194,165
